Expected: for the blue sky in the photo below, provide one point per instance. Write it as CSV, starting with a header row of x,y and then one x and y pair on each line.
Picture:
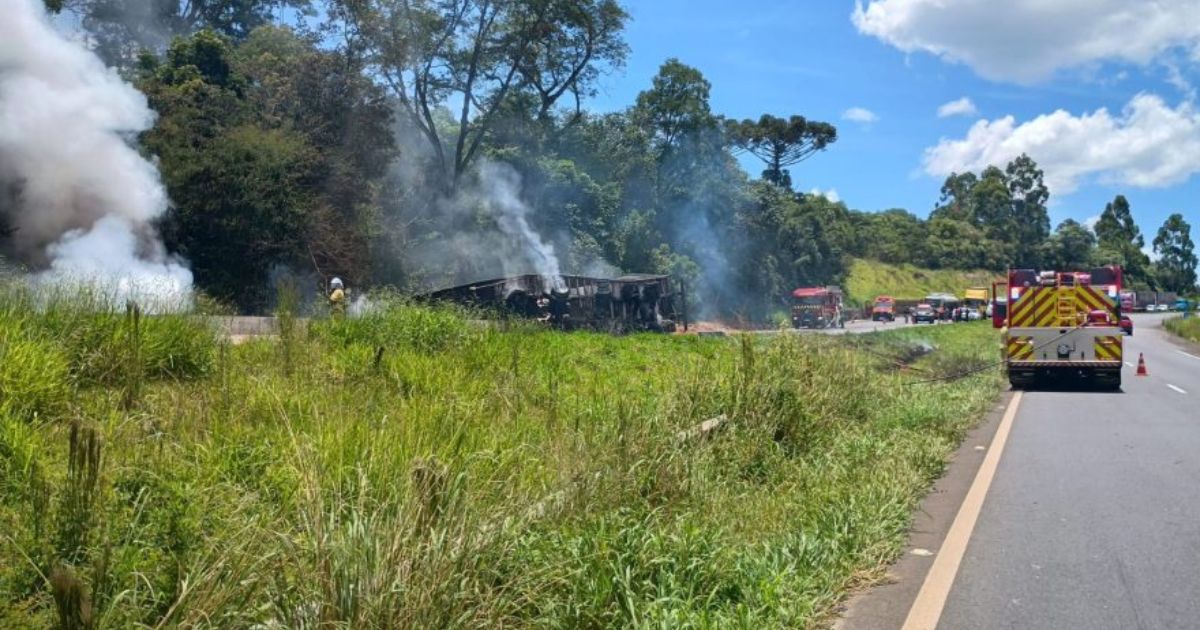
x,y
903,59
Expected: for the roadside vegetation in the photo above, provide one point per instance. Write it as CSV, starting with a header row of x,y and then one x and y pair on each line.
x,y
411,469
1187,328
867,279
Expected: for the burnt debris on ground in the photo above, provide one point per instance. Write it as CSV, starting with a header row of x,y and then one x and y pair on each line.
x,y
630,303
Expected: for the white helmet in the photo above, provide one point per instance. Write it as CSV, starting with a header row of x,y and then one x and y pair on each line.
x,y
336,283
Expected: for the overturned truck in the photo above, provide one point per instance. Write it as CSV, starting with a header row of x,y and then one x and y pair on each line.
x,y
630,303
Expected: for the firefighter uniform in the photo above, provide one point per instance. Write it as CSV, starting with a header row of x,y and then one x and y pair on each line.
x,y
337,297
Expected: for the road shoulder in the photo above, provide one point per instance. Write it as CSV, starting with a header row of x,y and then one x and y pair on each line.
x,y
886,605
1183,344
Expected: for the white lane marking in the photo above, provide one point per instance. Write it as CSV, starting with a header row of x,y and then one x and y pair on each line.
x,y
1180,390
1188,354
1129,364
927,608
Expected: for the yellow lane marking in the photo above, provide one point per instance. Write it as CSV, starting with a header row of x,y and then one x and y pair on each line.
x,y
927,608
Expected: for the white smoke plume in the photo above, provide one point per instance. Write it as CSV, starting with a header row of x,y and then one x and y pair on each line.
x,y
500,186
79,198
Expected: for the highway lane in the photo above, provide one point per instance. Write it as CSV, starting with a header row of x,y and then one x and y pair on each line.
x,y
1093,517
860,326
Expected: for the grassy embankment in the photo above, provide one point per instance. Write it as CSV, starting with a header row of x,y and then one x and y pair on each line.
x,y
466,477
1187,328
868,279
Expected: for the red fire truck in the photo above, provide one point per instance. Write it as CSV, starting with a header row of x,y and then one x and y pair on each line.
x,y
1063,323
817,307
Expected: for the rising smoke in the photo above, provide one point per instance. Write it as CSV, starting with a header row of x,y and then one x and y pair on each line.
x,y
486,229
77,198
500,185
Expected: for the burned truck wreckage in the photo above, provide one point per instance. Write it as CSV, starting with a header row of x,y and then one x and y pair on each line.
x,y
630,303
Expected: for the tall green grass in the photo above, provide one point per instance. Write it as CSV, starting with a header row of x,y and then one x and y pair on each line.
x,y
1187,328
97,336
468,476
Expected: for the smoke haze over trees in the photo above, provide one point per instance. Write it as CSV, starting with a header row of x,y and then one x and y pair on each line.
x,y
426,143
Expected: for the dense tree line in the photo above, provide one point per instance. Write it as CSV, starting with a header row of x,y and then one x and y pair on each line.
x,y
350,138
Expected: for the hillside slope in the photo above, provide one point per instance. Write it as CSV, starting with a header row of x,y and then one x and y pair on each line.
x,y
869,278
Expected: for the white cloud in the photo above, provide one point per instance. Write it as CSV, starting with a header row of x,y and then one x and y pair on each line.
x,y
831,194
1175,77
860,115
1026,41
1090,222
961,107
1149,144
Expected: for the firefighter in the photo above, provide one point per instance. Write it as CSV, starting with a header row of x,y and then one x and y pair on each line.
x,y
337,297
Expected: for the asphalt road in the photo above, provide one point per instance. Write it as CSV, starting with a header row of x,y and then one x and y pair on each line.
x,y
1093,517
859,326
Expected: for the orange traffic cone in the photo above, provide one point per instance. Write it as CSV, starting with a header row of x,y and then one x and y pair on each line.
x,y
1142,365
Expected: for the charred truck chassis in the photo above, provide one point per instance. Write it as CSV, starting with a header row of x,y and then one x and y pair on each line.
x,y
631,303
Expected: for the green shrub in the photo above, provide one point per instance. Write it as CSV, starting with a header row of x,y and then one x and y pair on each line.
x,y
34,379
177,347
394,324
95,338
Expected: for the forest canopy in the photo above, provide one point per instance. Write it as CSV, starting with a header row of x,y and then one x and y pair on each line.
x,y
432,142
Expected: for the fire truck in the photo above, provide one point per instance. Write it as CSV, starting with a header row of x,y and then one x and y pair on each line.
x,y
817,307
1063,324
884,309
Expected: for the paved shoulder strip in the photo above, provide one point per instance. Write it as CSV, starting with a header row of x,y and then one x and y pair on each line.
x,y
927,608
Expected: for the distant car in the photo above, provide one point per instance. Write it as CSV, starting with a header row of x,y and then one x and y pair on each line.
x,y
924,313
1126,324
974,315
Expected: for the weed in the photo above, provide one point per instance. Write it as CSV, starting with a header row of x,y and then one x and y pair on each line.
x,y
80,496
132,371
34,379
288,300
71,599
413,469
1187,328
